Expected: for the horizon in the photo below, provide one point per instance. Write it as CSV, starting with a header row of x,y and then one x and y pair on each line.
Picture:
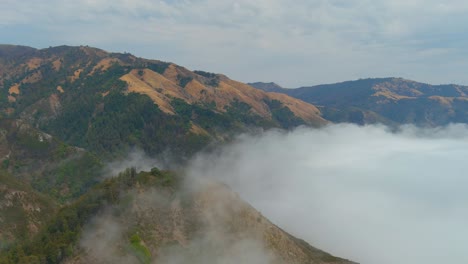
x,y
282,86
293,44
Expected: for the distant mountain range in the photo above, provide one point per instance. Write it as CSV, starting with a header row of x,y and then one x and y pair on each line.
x,y
391,101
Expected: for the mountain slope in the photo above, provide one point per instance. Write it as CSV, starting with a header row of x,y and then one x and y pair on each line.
x,y
387,100
23,211
110,102
158,217
44,162
37,174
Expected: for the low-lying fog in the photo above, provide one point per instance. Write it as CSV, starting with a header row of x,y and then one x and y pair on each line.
x,y
362,193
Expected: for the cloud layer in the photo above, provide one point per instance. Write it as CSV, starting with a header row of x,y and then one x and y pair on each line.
x,y
363,193
293,43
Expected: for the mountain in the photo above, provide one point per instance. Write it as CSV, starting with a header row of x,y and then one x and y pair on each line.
x,y
65,112
153,217
109,103
386,100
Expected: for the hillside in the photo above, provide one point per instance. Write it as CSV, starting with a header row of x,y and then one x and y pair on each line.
x,y
158,217
38,173
386,100
44,162
23,211
110,102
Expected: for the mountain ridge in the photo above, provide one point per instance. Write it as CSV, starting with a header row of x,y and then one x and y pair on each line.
x,y
168,76
273,85
392,101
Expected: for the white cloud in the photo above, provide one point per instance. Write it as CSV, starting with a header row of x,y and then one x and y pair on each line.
x,y
363,193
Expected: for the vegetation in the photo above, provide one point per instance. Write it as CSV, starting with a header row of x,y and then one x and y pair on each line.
x,y
183,81
206,74
58,238
213,78
70,178
139,249
283,115
159,67
16,200
235,119
49,165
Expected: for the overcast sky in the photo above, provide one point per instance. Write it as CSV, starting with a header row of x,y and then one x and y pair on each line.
x,y
294,43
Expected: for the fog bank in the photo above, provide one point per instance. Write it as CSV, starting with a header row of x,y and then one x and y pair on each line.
x,y
363,193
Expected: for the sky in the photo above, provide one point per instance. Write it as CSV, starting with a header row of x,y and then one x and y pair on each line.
x,y
363,193
293,43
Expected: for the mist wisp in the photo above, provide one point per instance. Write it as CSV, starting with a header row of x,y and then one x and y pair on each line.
x,y
363,193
